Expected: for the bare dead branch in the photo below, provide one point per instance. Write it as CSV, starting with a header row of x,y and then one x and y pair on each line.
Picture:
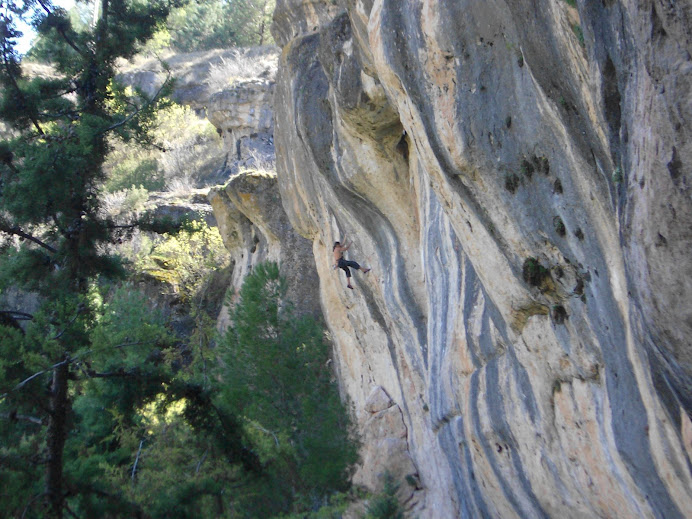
x,y
199,463
110,374
69,510
31,502
37,374
68,361
16,231
21,417
134,467
16,315
265,431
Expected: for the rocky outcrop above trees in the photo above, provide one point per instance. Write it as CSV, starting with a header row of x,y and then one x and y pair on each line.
x,y
255,229
199,75
244,118
248,210
517,174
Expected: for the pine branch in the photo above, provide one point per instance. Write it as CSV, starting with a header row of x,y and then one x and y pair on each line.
x,y
136,113
111,374
59,227
61,30
122,226
18,90
6,59
13,416
70,114
16,315
16,231
80,309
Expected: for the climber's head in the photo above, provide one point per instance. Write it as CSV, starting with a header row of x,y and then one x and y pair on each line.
x,y
336,244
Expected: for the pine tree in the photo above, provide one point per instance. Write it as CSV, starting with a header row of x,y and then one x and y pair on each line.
x,y
209,24
276,375
55,235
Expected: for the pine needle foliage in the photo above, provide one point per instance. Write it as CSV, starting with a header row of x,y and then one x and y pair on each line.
x,y
210,24
55,242
385,505
276,375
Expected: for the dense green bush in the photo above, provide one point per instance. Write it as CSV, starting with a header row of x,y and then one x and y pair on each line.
x,y
213,24
250,427
186,148
385,505
275,374
184,260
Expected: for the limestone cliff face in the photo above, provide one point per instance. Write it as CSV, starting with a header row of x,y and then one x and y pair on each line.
x,y
247,209
517,174
241,112
255,229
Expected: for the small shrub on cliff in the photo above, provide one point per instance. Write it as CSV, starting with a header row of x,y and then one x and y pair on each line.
x,y
533,272
559,226
579,33
385,505
512,182
126,201
527,168
559,314
542,164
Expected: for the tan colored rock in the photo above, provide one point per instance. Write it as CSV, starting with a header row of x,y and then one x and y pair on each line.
x,y
255,229
385,448
378,400
241,111
686,430
454,141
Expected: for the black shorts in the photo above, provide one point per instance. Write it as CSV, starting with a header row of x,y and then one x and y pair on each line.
x,y
344,264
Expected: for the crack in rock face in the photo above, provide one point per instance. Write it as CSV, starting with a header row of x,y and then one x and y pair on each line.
x,y
518,179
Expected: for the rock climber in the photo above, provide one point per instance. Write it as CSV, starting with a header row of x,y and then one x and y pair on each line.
x,y
344,264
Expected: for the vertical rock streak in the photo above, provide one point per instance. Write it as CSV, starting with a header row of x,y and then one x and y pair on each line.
x,y
517,176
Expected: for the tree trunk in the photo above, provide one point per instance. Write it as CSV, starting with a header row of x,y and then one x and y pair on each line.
x,y
262,25
95,16
57,432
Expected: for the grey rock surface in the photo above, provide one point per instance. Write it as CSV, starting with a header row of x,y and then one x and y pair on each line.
x,y
517,174
243,116
255,229
378,400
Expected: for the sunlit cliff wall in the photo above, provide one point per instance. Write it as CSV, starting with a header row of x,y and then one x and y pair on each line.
x,y
517,175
